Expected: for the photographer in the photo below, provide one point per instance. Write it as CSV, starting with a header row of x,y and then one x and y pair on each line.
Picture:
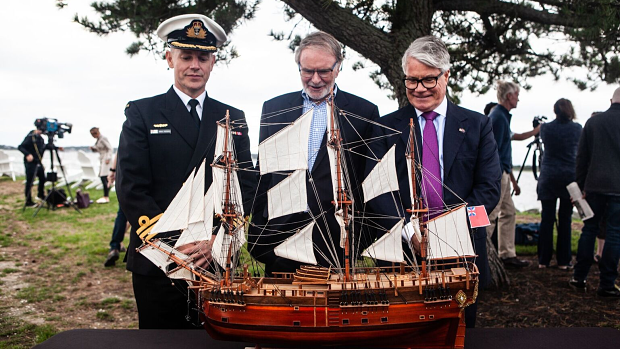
x,y
508,98
560,138
33,147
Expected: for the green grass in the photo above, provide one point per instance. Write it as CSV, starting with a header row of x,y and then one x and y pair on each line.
x,y
15,334
533,249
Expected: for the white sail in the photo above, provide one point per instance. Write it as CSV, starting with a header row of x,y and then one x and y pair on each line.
x,y
223,242
409,174
176,216
219,142
382,179
287,149
343,232
298,247
219,180
448,235
181,273
289,196
197,202
388,247
158,257
200,230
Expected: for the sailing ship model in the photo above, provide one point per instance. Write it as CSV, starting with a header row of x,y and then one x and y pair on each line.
x,y
409,305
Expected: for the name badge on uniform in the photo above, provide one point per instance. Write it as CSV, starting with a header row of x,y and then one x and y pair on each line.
x,y
161,131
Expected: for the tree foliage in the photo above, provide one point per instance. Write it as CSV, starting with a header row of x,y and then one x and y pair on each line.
x,y
487,39
142,17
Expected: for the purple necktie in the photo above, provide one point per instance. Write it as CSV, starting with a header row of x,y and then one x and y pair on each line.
x,y
431,179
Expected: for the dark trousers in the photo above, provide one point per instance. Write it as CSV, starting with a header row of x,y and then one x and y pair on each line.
x,y
163,303
482,262
118,233
545,239
34,169
608,264
106,188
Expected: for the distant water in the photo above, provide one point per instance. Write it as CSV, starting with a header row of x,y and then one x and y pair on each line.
x,y
526,201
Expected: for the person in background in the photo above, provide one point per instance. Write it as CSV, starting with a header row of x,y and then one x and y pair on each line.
x,y
489,107
600,238
505,212
560,138
598,173
104,148
33,148
120,225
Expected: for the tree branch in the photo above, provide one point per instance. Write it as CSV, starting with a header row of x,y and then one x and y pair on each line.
x,y
346,27
487,7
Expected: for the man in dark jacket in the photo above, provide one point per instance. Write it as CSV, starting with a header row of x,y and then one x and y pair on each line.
x,y
598,176
456,142
33,148
318,57
163,140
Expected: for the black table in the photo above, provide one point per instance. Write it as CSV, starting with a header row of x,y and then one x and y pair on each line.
x,y
478,338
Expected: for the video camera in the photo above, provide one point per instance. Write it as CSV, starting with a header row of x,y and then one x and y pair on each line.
x,y
52,127
538,119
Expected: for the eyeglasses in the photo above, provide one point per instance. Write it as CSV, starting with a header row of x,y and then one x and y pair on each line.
x,y
323,73
428,82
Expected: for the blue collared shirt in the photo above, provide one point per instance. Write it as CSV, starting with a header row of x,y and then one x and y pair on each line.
x,y
318,126
500,119
440,125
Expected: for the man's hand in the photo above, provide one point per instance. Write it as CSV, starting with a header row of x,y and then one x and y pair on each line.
x,y
29,157
92,148
111,178
200,251
516,188
408,234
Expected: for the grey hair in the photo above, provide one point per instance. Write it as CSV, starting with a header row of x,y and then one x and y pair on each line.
x,y
616,96
323,40
504,88
430,51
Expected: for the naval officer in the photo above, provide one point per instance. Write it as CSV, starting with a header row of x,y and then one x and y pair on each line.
x,y
163,139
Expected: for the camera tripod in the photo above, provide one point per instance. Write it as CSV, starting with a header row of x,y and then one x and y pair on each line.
x,y
54,177
537,157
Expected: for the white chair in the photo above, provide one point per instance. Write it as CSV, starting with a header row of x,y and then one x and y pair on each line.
x,y
89,172
6,166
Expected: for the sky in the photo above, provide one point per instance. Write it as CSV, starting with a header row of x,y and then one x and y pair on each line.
x,y
52,67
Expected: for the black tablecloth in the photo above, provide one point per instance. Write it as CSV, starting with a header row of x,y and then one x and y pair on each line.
x,y
478,338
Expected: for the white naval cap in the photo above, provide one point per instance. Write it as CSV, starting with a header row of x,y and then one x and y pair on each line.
x,y
192,32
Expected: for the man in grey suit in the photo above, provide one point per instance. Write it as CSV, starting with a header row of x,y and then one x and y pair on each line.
x,y
163,139
598,176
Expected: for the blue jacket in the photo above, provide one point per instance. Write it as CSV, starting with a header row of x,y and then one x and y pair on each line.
x,y
471,165
500,118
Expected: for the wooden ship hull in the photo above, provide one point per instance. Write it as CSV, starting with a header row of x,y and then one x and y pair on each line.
x,y
394,311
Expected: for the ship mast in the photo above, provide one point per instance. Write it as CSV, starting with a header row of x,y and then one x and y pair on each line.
x,y
335,140
416,202
228,212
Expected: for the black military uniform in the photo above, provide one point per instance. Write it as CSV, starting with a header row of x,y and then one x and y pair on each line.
x,y
160,144
33,145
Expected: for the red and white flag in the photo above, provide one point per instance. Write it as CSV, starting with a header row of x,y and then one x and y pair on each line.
x,y
478,216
